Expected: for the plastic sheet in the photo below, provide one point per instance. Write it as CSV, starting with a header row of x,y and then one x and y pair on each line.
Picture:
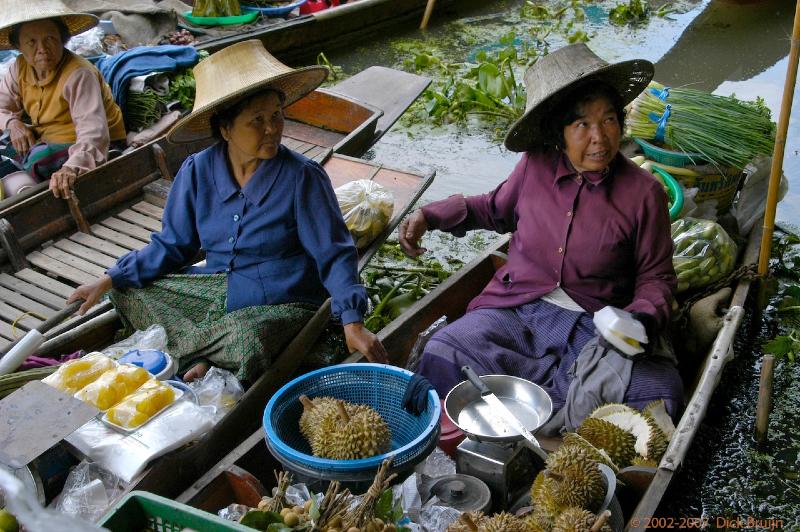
x,y
154,337
88,491
704,253
30,514
219,389
366,207
749,206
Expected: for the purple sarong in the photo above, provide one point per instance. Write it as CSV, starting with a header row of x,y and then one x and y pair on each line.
x,y
540,342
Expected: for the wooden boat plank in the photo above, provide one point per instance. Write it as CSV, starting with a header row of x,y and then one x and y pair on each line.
x,y
153,211
140,219
312,135
98,244
302,147
45,282
290,143
18,318
24,303
74,261
127,228
60,269
32,291
86,253
8,334
117,238
316,152
390,90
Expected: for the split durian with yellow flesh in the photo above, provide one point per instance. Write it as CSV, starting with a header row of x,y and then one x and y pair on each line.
x,y
651,442
344,431
618,443
579,520
657,412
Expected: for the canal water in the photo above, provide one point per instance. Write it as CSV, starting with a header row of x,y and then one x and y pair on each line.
x,y
722,47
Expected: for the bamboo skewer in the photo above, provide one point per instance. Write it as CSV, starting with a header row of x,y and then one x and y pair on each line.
x,y
764,405
780,147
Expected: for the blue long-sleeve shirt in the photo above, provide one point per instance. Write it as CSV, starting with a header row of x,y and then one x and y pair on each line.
x,y
280,239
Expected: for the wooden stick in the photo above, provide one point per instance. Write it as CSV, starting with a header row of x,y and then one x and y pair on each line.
x,y
427,16
764,406
600,521
780,147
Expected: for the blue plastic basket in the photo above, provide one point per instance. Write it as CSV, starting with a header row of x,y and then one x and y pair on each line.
x,y
377,385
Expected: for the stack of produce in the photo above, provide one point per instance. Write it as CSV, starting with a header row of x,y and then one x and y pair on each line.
x,y
113,385
145,108
478,522
75,374
704,253
339,430
216,8
725,131
151,397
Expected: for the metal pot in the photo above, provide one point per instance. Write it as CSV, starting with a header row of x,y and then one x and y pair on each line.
x,y
468,411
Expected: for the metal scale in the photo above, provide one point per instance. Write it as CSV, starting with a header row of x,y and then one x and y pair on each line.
x,y
492,451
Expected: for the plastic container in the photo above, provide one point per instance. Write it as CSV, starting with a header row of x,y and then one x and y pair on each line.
x,y
450,435
674,191
621,330
244,18
668,157
277,11
313,6
158,363
140,510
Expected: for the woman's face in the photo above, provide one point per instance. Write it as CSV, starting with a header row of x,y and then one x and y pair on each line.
x,y
592,139
256,131
40,44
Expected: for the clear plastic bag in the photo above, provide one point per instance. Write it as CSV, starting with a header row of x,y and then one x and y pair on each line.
x,y
87,44
749,206
75,374
29,513
220,389
366,207
704,253
154,337
88,491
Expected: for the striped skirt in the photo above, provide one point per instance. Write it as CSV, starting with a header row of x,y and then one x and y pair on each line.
x,y
192,310
540,342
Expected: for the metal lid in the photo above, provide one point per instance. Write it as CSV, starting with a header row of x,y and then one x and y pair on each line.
x,y
462,492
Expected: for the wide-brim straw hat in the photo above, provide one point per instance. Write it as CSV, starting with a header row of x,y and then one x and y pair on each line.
x,y
13,12
554,75
236,72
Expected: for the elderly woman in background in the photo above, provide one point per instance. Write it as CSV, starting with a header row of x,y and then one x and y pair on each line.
x,y
589,229
55,105
266,217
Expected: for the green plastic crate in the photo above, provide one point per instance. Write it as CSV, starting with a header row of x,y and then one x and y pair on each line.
x,y
140,510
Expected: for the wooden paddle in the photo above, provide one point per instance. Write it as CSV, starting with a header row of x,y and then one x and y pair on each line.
x,y
427,16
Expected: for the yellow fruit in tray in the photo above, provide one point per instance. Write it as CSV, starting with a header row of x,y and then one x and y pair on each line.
x,y
113,385
75,374
141,405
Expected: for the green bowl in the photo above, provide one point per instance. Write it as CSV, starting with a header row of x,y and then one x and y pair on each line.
x,y
668,157
244,18
674,191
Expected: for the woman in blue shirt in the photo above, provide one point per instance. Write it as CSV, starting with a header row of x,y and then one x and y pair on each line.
x,y
267,218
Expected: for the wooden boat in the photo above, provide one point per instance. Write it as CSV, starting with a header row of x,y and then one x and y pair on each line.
x,y
245,472
307,35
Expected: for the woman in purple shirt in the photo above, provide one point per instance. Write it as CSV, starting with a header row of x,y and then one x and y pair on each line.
x,y
589,229
267,218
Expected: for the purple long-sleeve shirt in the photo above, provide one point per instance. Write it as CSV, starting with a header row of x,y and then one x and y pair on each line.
x,y
603,238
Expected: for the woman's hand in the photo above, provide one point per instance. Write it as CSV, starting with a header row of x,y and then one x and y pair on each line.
x,y
90,293
22,137
61,182
361,339
411,230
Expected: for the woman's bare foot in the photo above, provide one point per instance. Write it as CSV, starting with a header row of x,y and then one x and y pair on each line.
x,y
198,371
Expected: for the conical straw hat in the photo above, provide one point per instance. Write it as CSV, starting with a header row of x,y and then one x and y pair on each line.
x,y
556,73
233,73
13,12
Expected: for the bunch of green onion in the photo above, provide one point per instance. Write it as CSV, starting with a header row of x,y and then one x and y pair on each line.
x,y
723,130
143,109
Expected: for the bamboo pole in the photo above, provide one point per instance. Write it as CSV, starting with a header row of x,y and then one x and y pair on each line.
x,y
764,405
427,16
780,147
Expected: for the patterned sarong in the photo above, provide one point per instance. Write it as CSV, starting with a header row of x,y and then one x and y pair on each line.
x,y
192,310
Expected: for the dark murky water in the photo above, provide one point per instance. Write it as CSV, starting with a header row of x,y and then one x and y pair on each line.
x,y
712,45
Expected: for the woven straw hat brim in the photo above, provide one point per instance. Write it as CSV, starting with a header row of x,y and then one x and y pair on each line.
x,y
629,78
29,12
294,85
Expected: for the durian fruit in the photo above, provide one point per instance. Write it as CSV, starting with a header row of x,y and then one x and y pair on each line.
x,y
503,522
650,441
467,522
579,520
314,411
544,505
573,478
618,443
357,432
538,521
598,454
645,462
611,408
657,411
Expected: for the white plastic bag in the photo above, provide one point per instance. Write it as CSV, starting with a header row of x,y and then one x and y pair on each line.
x,y
366,207
219,389
154,337
88,492
749,206
87,44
